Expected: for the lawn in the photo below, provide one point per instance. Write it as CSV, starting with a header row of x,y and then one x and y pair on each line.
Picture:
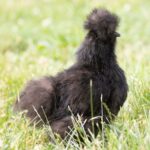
x,y
40,37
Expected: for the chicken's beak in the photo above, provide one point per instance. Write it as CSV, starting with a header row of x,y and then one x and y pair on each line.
x,y
116,34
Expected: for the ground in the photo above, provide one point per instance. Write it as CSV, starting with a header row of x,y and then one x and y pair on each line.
x,y
41,37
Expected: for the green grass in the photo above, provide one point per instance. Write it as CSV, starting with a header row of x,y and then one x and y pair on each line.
x,y
40,37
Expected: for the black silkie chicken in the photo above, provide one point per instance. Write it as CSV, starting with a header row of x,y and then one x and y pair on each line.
x,y
49,97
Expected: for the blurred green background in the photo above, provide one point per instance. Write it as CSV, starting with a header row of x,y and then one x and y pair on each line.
x,y
40,37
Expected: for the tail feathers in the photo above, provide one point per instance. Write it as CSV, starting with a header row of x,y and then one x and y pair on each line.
x,y
102,21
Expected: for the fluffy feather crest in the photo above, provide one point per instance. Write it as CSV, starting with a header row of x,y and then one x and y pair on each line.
x,y
102,22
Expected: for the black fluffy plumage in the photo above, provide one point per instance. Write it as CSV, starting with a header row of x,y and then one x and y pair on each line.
x,y
96,62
